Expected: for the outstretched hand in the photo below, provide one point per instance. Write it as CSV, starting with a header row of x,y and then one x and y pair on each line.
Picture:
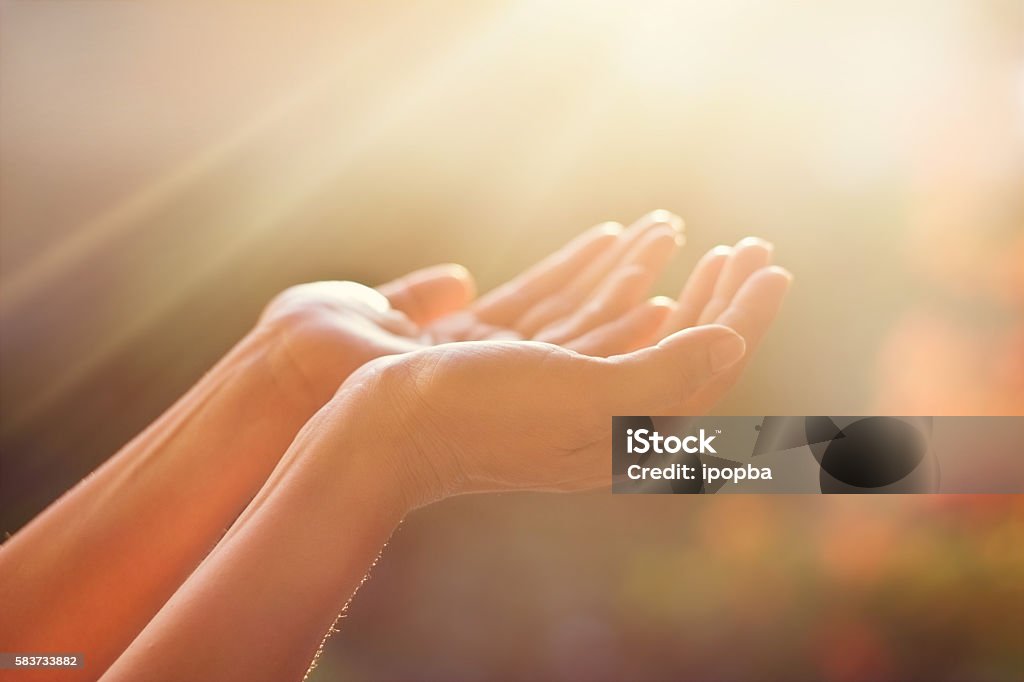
x,y
589,296
513,415
491,415
439,395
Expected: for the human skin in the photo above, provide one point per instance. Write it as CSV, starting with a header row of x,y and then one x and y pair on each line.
x,y
88,573
91,571
402,432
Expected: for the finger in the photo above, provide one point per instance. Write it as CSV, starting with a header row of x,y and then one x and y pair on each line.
x,y
615,297
636,329
631,244
651,253
757,303
424,295
750,314
509,301
751,254
698,289
659,379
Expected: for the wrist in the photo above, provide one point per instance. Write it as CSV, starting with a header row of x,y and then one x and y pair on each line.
x,y
388,434
304,373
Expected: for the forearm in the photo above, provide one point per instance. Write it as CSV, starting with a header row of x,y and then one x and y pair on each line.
x,y
88,573
261,603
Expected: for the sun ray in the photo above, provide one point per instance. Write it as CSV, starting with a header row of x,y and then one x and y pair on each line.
x,y
279,189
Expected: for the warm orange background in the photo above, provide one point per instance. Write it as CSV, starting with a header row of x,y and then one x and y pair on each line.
x,y
167,168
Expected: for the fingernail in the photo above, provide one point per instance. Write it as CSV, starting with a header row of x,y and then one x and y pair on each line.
x,y
662,302
668,218
726,351
660,235
610,227
456,270
755,241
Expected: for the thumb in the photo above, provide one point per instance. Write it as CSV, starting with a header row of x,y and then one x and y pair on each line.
x,y
658,379
427,294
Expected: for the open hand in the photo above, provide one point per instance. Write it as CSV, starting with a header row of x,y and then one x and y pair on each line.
x,y
589,296
516,415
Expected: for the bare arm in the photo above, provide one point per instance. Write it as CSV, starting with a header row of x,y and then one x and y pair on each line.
x,y
402,432
87,574
258,607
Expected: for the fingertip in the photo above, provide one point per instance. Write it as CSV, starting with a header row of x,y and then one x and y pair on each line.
x,y
609,228
755,242
709,332
676,368
661,302
654,250
781,272
602,240
456,270
661,216
431,292
661,236
723,345
726,350
593,241
460,274
722,250
757,303
771,277
657,310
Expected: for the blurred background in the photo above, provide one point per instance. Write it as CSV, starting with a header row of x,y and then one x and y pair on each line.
x,y
165,169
